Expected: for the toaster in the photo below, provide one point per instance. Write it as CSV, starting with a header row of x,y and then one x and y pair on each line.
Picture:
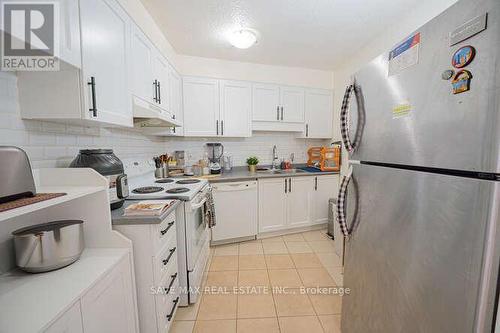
x,y
16,176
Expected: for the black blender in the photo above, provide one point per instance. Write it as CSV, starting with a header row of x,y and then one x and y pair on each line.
x,y
215,152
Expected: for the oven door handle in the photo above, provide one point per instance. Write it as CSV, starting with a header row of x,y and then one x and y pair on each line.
x,y
199,204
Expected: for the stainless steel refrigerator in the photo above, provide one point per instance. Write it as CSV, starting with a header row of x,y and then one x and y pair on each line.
x,y
422,204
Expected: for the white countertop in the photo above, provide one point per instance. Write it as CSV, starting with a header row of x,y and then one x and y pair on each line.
x,y
31,302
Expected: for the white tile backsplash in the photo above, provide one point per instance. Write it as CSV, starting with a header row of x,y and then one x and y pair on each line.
x,y
55,145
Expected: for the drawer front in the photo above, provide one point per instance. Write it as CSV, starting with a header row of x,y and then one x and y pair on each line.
x,y
163,232
166,307
165,262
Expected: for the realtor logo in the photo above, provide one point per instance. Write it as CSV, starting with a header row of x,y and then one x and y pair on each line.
x,y
30,36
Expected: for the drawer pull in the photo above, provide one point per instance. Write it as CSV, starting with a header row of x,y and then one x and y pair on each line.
x,y
171,314
165,261
174,276
164,231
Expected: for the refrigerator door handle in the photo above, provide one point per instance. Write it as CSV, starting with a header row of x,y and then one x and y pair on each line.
x,y
341,199
344,117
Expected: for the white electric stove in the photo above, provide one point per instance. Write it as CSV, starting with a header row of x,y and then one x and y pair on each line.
x,y
192,229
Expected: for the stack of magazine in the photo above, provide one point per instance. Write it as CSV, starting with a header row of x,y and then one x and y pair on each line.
x,y
148,208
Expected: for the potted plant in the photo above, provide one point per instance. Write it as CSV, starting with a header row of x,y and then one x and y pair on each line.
x,y
252,162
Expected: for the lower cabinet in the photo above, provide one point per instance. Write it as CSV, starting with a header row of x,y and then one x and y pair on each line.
x,y
298,201
272,204
106,307
325,188
293,202
156,258
69,322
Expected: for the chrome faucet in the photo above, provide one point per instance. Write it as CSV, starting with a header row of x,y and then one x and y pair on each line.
x,y
275,163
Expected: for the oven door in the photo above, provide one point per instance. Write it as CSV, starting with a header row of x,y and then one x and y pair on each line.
x,y
196,229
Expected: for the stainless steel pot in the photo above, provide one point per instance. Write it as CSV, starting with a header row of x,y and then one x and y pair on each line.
x,y
48,246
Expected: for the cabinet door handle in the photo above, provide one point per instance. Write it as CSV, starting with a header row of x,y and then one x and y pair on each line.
x,y
217,126
93,109
315,183
171,314
307,130
281,113
164,231
278,112
165,261
290,185
285,186
173,277
155,94
222,127
159,92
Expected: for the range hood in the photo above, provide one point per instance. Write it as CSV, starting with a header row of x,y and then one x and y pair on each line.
x,y
149,115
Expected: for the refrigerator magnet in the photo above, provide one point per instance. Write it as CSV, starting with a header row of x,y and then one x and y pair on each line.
x,y
461,82
447,74
463,56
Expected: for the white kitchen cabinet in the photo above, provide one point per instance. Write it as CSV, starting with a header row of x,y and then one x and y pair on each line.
x,y
109,305
161,69
149,71
292,104
156,262
69,322
318,114
266,102
216,108
236,210
235,108
141,65
175,86
324,188
298,201
272,204
201,106
105,30
96,94
69,34
277,108
293,202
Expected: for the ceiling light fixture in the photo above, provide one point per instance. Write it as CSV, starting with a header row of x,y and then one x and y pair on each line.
x,y
243,38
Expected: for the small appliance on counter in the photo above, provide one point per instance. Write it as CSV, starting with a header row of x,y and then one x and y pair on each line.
x,y
228,163
215,152
107,164
15,175
48,246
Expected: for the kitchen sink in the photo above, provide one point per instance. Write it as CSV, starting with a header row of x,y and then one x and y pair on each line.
x,y
283,172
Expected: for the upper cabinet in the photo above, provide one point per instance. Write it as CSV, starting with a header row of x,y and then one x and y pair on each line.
x,y
266,102
292,104
318,114
201,106
175,98
96,93
216,107
149,72
141,66
277,108
235,108
106,83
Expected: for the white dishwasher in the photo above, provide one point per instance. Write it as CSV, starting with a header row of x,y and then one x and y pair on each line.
x,y
235,211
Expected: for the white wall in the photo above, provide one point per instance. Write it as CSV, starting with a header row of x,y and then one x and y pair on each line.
x,y
391,36
235,70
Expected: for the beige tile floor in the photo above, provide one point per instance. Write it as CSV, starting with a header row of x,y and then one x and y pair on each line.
x,y
272,274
